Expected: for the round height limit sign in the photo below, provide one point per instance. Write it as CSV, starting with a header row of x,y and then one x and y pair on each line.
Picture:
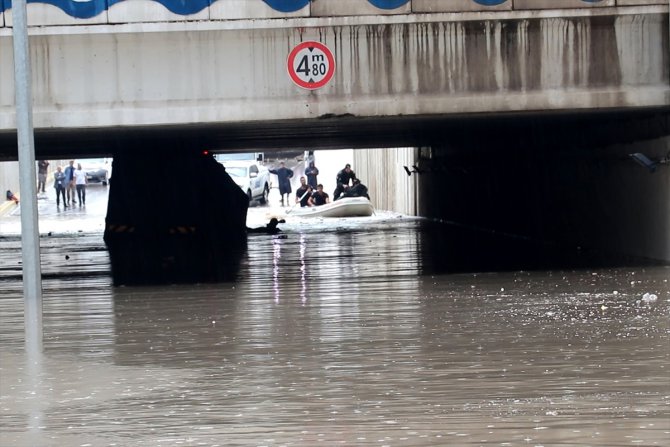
x,y
311,65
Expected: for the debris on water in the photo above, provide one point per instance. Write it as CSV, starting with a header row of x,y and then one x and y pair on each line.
x,y
649,297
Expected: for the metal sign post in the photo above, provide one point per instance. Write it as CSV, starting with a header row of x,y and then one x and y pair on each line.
x,y
30,247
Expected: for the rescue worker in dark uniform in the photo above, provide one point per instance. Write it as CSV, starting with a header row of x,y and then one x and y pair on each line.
x,y
303,193
319,197
357,190
343,178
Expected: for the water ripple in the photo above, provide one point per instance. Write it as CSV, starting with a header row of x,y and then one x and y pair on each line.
x,y
336,335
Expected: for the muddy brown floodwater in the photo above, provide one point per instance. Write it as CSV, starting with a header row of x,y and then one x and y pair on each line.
x,y
338,332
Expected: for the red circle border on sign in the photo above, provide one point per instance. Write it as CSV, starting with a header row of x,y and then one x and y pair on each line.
x,y
331,65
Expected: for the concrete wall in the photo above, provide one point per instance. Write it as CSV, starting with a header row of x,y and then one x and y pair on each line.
x,y
382,171
637,200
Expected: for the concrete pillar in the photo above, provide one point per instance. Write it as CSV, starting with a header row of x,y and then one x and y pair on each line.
x,y
174,217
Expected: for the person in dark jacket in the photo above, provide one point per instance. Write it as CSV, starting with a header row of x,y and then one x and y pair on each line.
x,y
357,190
42,168
303,193
270,228
284,176
59,185
319,197
11,196
311,172
344,177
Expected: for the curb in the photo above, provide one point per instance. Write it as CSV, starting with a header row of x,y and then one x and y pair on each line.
x,y
6,206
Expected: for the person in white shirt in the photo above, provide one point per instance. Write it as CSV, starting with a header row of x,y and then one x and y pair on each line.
x,y
80,184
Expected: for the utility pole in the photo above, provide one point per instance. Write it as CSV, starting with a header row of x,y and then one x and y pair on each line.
x,y
30,246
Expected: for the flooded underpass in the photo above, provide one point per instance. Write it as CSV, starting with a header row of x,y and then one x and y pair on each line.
x,y
339,332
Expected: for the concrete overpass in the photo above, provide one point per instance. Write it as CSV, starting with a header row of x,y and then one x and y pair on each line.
x,y
136,69
529,110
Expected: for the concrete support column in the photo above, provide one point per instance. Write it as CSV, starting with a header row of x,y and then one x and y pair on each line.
x,y
174,218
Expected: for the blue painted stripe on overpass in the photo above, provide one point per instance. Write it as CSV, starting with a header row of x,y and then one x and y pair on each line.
x,y
79,10
286,5
490,2
181,7
90,8
388,4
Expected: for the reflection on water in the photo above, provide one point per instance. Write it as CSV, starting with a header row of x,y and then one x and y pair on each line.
x,y
339,334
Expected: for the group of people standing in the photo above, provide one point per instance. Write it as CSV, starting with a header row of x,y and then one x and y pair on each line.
x,y
66,182
310,192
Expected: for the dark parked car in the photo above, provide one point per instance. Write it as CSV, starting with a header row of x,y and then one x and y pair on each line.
x,y
98,170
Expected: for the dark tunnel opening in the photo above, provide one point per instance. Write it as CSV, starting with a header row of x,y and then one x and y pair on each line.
x,y
523,191
549,193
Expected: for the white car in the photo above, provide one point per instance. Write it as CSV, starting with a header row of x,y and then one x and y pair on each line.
x,y
254,179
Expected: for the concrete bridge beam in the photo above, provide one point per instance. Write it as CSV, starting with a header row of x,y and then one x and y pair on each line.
x,y
172,74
